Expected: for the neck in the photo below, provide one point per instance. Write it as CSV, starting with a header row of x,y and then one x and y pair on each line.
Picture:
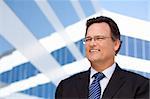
x,y
101,66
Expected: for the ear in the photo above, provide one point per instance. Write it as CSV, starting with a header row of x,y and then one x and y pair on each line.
x,y
117,44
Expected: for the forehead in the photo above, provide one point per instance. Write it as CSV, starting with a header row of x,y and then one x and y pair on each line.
x,y
99,29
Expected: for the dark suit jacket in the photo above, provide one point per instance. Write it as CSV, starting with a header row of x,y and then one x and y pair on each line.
x,y
122,85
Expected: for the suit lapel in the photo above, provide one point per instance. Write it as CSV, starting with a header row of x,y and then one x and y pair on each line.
x,y
83,84
116,81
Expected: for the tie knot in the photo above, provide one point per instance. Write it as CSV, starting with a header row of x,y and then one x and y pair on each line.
x,y
98,76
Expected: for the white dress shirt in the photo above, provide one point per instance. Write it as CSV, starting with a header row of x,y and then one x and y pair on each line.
x,y
107,72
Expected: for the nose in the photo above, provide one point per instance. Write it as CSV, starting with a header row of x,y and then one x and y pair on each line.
x,y
92,42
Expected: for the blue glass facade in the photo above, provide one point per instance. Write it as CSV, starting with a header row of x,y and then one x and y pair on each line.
x,y
34,19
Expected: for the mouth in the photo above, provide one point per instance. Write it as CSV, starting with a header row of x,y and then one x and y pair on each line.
x,y
94,50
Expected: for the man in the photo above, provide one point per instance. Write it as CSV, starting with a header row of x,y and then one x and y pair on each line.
x,y
102,43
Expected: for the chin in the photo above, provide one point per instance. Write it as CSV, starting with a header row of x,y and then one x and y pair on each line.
x,y
93,59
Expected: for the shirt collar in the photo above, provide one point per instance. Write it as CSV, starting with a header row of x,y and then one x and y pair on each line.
x,y
107,72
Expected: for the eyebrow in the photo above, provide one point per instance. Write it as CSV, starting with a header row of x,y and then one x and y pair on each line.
x,y
95,36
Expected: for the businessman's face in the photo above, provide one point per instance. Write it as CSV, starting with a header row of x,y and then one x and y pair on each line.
x,y
100,48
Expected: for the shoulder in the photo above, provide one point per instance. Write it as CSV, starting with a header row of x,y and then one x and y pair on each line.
x,y
131,81
133,76
76,76
73,81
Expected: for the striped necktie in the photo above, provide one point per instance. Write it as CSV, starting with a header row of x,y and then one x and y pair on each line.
x,y
95,88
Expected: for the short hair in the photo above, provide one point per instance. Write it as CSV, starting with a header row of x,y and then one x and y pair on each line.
x,y
115,33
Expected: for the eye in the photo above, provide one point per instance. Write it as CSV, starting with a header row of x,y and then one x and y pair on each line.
x,y
99,38
88,39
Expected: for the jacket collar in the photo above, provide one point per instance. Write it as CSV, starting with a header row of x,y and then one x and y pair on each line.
x,y
116,81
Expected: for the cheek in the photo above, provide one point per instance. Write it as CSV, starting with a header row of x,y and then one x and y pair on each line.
x,y
108,48
86,49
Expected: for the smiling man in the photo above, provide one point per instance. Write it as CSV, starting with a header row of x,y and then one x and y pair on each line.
x,y
104,79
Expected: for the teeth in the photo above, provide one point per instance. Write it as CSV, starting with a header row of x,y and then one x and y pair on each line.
x,y
94,50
